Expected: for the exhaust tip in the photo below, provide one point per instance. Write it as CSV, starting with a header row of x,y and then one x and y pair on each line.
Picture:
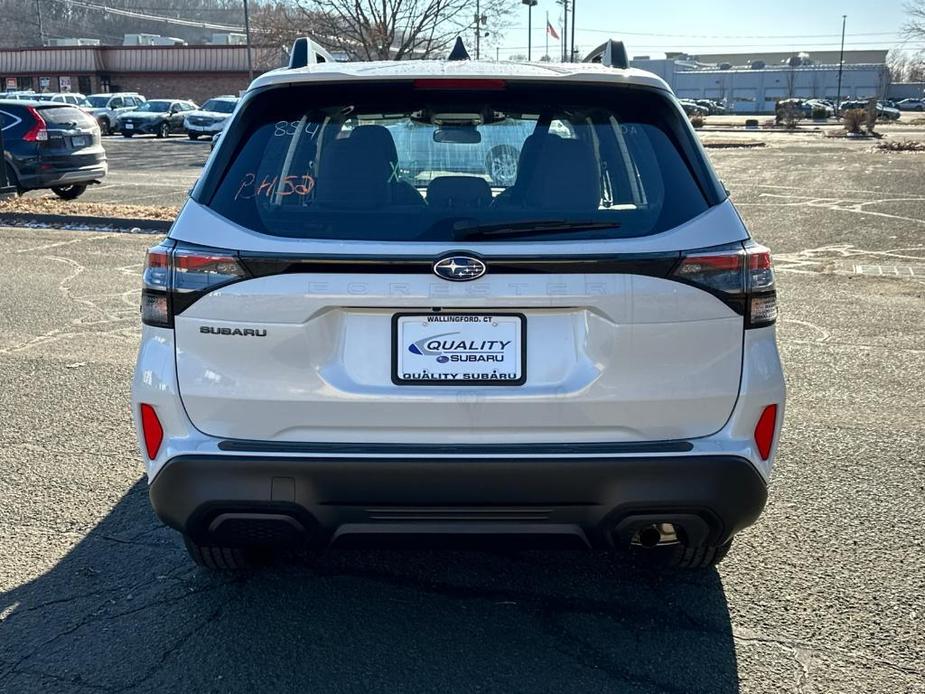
x,y
656,534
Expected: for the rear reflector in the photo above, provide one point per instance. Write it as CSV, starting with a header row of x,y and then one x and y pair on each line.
x,y
152,430
764,431
762,310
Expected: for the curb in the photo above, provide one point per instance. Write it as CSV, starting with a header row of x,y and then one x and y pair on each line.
x,y
63,221
748,144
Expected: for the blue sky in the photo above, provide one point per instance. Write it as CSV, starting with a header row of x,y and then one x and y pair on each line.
x,y
710,26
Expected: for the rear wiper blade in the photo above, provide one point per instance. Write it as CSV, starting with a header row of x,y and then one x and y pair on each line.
x,y
528,228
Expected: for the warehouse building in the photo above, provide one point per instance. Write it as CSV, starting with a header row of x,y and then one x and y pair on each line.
x,y
157,71
753,84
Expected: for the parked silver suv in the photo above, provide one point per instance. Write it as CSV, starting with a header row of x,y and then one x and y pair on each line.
x,y
107,107
334,349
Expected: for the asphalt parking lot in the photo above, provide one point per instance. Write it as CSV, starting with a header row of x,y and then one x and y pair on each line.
x,y
825,594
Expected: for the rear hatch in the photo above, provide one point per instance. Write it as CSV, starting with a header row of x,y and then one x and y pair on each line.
x,y
322,291
73,138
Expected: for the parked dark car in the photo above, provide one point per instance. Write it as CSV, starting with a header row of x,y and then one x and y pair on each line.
x,y
716,108
158,117
51,145
883,112
692,108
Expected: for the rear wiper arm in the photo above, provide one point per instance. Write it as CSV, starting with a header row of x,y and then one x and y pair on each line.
x,y
528,228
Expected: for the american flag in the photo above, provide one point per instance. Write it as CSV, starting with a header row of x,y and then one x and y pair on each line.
x,y
551,30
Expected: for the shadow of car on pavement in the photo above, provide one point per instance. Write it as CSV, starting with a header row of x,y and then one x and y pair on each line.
x,y
126,609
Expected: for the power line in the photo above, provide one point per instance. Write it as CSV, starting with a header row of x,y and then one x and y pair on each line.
x,y
150,17
620,32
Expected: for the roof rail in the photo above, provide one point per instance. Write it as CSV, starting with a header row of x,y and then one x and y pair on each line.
x,y
306,52
459,51
610,53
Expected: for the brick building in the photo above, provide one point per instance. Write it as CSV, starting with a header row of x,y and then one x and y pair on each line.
x,y
186,72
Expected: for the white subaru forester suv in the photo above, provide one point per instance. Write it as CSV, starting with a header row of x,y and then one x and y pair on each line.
x,y
342,344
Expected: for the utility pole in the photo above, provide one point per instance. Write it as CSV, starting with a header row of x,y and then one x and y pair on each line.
x,y
841,64
38,9
478,28
247,32
480,19
572,56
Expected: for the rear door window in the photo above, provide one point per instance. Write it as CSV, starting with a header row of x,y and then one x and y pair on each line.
x,y
407,162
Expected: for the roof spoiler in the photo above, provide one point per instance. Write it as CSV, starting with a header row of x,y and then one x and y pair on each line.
x,y
610,53
306,52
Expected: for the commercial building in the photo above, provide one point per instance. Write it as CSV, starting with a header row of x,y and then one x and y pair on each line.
x,y
753,84
191,72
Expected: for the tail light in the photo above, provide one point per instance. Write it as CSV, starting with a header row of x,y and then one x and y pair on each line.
x,y
38,132
764,431
740,276
175,276
151,430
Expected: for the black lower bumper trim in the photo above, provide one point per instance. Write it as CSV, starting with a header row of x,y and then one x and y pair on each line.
x,y
331,496
244,446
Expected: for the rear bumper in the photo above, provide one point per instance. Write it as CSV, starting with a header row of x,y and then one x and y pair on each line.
x,y
240,499
209,129
144,128
55,176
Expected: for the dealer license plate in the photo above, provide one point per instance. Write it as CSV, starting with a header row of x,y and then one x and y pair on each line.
x,y
465,349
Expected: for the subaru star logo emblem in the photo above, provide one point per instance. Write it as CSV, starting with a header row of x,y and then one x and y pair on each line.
x,y
459,268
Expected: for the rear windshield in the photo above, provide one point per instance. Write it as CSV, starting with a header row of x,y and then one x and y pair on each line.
x,y
417,162
218,106
65,116
155,106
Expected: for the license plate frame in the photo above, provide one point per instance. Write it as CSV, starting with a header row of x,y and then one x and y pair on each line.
x,y
454,382
129,126
78,141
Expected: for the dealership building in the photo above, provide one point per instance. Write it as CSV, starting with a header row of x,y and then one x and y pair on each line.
x,y
156,71
754,83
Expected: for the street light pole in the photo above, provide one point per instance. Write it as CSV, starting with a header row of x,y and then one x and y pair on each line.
x,y
841,64
565,58
529,4
572,49
247,32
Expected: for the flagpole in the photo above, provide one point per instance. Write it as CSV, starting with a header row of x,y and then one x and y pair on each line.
x,y
547,33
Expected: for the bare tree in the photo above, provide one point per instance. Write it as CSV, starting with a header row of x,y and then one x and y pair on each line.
x,y
914,28
897,63
400,29
280,23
